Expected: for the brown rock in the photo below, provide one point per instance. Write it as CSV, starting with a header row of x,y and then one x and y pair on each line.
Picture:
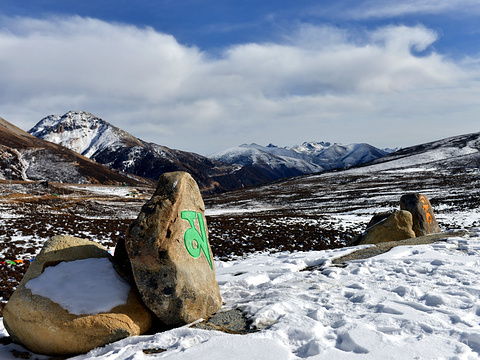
x,y
424,221
170,256
378,217
45,327
374,220
398,226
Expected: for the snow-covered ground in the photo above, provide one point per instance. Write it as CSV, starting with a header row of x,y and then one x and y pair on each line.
x,y
414,302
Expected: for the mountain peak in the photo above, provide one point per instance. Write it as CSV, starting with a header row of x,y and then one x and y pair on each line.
x,y
70,121
82,132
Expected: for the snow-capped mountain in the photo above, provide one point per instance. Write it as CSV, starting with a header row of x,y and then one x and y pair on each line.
x,y
277,164
331,156
310,157
83,132
25,157
119,150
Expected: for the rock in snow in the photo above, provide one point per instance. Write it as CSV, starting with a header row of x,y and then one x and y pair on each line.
x,y
415,218
398,226
71,300
419,206
170,255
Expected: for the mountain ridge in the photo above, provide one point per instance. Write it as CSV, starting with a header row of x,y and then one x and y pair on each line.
x,y
25,157
119,150
310,157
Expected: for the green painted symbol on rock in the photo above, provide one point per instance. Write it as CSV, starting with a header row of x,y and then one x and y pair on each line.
x,y
196,242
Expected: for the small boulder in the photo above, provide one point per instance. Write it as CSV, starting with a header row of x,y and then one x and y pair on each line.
x,y
397,226
170,255
377,218
419,206
47,321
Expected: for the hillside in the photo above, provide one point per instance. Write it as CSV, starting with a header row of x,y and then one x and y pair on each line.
x,y
446,171
25,157
460,152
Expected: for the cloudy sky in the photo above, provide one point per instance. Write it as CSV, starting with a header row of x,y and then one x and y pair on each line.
x,y
205,75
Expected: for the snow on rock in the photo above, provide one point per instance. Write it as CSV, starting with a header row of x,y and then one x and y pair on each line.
x,y
412,302
88,286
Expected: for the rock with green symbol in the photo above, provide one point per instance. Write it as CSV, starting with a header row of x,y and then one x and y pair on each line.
x,y
170,256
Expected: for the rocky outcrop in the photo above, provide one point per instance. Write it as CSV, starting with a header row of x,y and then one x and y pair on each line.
x,y
44,323
397,226
415,219
424,221
170,256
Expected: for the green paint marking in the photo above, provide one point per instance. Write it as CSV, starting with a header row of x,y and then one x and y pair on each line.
x,y
192,235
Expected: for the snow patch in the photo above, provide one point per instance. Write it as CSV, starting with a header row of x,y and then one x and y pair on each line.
x,y
88,286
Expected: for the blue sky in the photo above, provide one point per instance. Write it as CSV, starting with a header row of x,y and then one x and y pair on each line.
x,y
203,76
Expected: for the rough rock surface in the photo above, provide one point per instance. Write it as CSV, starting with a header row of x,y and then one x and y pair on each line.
x,y
170,255
398,226
43,326
232,321
424,221
377,218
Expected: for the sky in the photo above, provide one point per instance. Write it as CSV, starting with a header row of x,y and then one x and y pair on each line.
x,y
203,76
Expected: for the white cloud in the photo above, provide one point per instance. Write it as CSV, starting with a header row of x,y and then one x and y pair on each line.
x,y
394,8
319,83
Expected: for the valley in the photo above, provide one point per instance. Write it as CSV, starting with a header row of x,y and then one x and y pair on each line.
x,y
306,213
275,243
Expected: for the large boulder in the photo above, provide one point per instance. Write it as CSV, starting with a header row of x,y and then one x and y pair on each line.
x,y
424,221
71,300
397,226
170,256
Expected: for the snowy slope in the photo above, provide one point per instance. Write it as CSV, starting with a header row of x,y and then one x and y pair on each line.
x,y
301,159
414,302
277,162
82,132
333,156
457,151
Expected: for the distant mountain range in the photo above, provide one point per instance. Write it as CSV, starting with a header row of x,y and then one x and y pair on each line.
x,y
73,140
310,157
447,171
231,169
